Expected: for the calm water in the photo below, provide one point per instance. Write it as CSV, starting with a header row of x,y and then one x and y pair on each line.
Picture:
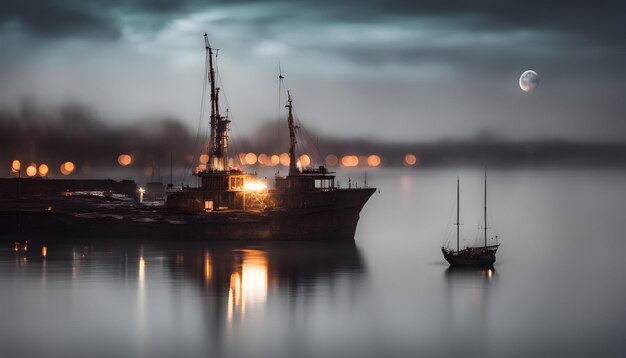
x,y
558,288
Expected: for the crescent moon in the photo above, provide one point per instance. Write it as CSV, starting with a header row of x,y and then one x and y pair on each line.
x,y
529,80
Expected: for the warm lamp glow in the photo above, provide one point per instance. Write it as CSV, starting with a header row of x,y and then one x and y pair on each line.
x,y
67,168
350,161
204,158
410,159
255,185
43,170
305,160
373,160
274,160
44,251
31,170
125,159
332,160
250,159
16,166
264,159
284,159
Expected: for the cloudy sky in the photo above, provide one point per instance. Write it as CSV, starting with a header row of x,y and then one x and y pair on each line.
x,y
390,70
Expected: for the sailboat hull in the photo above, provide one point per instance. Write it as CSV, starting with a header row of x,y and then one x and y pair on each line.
x,y
468,258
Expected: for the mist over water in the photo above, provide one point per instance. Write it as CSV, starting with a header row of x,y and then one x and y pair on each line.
x,y
557,288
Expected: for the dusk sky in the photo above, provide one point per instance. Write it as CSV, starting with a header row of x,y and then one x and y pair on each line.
x,y
394,70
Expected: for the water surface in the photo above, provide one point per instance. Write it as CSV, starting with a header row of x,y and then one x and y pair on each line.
x,y
557,289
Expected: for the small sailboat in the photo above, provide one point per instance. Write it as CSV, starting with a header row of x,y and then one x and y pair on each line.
x,y
477,256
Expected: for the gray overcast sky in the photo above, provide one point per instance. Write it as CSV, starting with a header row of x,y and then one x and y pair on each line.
x,y
392,70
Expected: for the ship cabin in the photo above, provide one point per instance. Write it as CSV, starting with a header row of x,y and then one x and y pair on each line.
x,y
311,179
301,189
222,190
233,190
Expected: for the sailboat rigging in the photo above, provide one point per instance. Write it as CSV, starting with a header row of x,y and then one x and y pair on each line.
x,y
477,256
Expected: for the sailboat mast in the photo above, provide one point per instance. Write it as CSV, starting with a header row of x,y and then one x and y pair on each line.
x,y
292,137
457,214
485,207
213,99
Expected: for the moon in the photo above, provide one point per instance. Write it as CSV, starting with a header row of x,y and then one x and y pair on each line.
x,y
529,80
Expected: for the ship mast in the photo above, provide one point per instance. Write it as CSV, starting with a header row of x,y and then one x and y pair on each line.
x,y
485,207
457,214
292,137
218,142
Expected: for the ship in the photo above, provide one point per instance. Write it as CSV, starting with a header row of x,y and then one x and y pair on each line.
x,y
305,204
228,205
476,256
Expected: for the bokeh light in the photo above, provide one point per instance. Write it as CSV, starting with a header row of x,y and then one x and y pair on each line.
x,y
373,160
125,159
204,158
305,160
250,159
31,170
67,168
264,159
332,160
350,161
284,159
410,159
43,170
16,166
274,160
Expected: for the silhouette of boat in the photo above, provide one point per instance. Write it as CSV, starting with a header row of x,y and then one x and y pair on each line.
x,y
306,204
476,256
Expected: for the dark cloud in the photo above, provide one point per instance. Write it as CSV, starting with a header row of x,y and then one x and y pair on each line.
x,y
601,21
59,19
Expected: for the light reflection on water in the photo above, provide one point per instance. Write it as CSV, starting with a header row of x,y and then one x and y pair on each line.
x,y
389,295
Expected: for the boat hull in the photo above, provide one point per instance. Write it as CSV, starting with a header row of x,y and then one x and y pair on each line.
x,y
336,222
468,259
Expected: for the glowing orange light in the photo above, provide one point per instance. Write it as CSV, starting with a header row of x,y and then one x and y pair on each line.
x,y
305,160
274,160
331,160
410,159
250,159
200,168
204,158
44,251
31,170
264,159
125,159
284,159
67,168
350,161
142,270
43,170
373,160
207,267
16,166
16,246
248,288
255,185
